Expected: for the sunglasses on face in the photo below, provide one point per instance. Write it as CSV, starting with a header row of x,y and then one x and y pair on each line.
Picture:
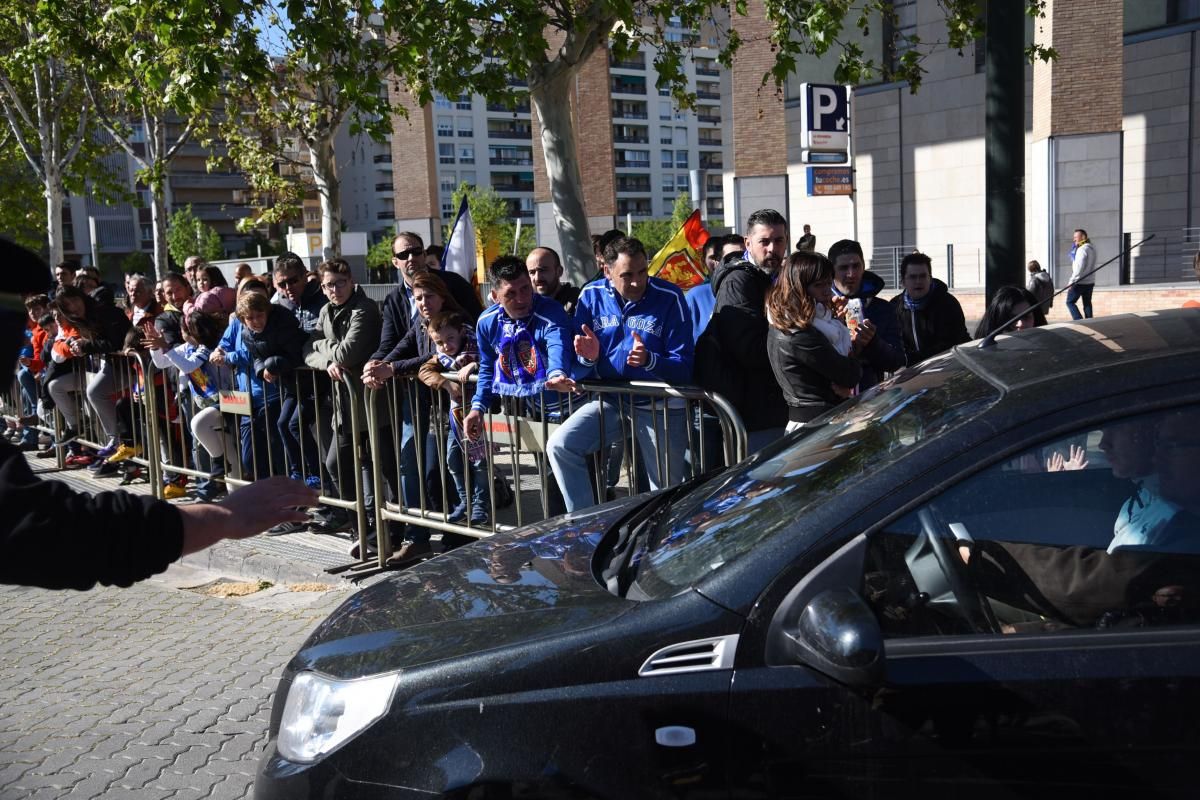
x,y
412,252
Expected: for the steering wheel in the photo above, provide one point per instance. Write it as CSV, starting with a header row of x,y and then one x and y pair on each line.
x,y
971,601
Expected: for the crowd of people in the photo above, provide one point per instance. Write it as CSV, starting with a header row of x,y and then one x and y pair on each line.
x,y
784,335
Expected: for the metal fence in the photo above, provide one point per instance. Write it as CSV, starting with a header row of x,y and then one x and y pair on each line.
x,y
383,458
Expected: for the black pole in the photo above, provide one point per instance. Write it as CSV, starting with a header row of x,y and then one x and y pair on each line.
x,y
1004,142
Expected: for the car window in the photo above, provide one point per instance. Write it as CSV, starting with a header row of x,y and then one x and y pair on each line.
x,y
725,517
1096,529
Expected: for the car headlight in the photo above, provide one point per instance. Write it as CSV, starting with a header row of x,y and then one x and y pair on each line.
x,y
321,714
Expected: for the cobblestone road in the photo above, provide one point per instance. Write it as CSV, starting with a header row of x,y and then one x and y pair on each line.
x,y
148,692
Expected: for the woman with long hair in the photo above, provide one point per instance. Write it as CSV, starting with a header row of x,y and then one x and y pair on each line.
x,y
1011,303
811,352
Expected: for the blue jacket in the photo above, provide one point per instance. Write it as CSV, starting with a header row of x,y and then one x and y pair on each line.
x,y
237,355
662,320
552,335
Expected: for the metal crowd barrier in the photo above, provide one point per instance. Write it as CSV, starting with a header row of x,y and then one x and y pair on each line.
x,y
359,461
517,434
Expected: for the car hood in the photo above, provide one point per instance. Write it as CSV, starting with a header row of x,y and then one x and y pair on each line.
x,y
504,591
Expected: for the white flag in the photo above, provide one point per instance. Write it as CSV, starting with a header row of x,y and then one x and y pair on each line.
x,y
459,255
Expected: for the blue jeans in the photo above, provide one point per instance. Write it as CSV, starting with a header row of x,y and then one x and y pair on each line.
x,y
1080,291
410,476
295,417
568,447
480,499
262,454
29,399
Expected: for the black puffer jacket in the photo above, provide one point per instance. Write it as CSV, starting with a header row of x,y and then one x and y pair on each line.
x,y
806,366
935,328
731,354
280,346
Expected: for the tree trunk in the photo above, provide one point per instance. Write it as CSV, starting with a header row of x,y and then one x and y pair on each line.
x,y
551,100
324,166
54,207
160,212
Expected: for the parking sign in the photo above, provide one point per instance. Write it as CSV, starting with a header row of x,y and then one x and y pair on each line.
x,y
825,111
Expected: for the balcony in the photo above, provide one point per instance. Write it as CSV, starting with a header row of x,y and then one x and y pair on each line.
x,y
636,61
705,69
511,161
636,208
217,211
714,187
384,187
626,134
386,215
633,184
711,119
207,180
499,108
630,163
512,186
510,133
467,134
715,96
623,86
383,158
711,161
704,141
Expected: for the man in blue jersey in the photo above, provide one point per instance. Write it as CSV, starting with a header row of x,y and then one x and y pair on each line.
x,y
631,328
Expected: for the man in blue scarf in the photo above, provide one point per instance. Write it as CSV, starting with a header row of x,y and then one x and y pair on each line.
x,y
931,319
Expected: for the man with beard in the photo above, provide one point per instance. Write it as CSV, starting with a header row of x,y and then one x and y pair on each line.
x,y
731,355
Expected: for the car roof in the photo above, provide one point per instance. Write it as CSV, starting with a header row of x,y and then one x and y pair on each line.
x,y
1063,349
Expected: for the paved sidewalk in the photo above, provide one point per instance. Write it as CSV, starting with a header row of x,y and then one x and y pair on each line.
x,y
148,692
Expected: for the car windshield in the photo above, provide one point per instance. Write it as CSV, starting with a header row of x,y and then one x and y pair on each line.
x,y
725,517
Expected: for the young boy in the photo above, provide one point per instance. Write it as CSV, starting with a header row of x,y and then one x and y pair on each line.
x,y
456,351
275,344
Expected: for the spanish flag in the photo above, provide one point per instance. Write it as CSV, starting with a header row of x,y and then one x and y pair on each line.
x,y
680,260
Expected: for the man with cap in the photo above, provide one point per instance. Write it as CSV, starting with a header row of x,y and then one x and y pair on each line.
x,y
128,538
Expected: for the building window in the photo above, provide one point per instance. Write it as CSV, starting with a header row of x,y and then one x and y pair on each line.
x,y
447,209
449,183
147,233
137,133
681,137
466,127
445,153
681,159
664,136
441,101
463,103
667,160
899,33
468,177
668,182
466,153
445,126
664,110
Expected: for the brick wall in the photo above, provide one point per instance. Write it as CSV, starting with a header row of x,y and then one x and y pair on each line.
x,y
759,129
414,170
1087,76
593,138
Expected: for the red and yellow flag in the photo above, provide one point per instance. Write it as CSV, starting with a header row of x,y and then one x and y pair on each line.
x,y
680,260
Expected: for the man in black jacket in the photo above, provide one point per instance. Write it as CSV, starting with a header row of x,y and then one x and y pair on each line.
x,y
931,320
731,355
126,538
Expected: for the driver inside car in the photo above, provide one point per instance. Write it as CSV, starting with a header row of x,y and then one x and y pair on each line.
x,y
1149,572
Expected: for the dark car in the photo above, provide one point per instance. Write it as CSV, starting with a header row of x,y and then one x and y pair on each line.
x,y
978,579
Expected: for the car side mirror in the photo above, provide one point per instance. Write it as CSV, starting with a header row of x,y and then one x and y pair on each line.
x,y
837,635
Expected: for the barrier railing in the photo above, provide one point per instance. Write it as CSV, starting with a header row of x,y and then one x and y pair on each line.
x,y
396,456
704,427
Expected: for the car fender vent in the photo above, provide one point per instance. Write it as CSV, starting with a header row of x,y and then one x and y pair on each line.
x,y
698,656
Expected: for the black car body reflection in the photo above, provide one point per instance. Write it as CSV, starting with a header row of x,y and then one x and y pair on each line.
x,y
909,598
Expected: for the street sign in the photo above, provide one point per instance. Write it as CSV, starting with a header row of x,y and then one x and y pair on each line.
x,y
825,116
830,181
824,157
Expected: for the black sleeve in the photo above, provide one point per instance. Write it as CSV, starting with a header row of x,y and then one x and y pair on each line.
x,y
44,543
395,325
287,345
167,323
113,325
886,351
406,357
810,350
742,321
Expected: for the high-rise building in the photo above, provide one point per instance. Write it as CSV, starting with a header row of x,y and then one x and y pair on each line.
x,y
637,151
